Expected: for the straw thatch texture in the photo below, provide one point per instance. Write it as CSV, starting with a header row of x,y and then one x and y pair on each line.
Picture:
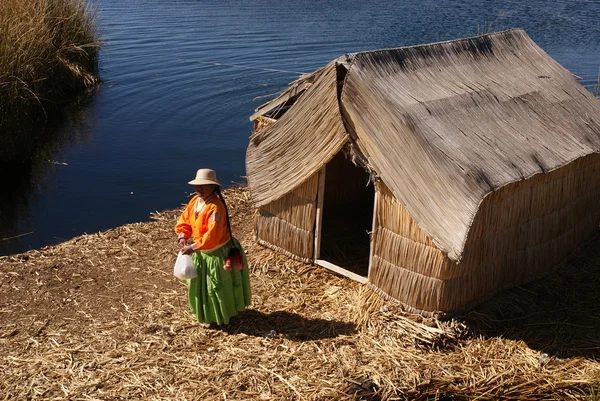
x,y
445,124
262,122
287,153
287,224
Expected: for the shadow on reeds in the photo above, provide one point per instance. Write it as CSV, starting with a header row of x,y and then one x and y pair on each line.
x,y
558,315
282,324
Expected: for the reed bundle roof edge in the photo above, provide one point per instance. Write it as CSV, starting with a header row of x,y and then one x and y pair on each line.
x,y
282,157
442,125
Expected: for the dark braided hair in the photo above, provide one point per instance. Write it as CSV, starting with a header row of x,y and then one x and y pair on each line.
x,y
233,250
220,195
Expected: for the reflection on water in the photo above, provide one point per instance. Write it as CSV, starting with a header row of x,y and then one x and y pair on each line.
x,y
24,182
16,181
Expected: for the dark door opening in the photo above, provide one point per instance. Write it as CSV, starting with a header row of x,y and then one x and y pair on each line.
x,y
348,202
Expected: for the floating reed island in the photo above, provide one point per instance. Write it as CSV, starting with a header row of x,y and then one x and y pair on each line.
x,y
101,317
48,55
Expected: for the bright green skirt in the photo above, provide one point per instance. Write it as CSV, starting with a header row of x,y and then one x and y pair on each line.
x,y
216,294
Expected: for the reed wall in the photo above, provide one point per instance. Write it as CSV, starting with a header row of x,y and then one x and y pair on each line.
x,y
520,233
525,229
406,264
287,225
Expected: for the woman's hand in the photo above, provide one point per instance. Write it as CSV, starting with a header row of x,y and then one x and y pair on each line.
x,y
181,242
187,250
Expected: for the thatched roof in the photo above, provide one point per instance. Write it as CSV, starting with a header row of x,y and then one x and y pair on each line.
x,y
282,157
443,125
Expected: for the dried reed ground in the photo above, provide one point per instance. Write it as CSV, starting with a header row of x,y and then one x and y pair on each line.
x,y
101,317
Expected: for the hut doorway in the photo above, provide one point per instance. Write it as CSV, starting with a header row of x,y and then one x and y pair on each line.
x,y
345,219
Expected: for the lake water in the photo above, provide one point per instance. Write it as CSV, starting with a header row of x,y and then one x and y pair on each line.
x,y
181,78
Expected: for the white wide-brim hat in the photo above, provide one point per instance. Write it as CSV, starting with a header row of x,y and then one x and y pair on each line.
x,y
205,176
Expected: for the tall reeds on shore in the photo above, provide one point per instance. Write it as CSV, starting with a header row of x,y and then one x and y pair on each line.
x,y
48,55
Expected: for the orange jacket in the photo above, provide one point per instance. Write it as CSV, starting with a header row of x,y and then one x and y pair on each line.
x,y
205,222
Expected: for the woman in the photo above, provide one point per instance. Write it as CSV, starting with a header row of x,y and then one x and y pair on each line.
x,y
219,291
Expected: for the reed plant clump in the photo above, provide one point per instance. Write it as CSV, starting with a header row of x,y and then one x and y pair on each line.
x,y
48,54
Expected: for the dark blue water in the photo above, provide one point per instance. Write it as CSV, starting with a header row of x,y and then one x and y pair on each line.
x,y
181,78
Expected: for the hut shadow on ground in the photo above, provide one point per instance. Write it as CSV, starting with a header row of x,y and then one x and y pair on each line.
x,y
282,324
558,315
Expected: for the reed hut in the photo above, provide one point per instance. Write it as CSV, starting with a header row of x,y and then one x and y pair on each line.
x,y
438,174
